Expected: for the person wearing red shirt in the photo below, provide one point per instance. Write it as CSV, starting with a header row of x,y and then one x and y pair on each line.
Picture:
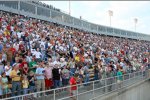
x,y
23,66
25,69
73,89
8,28
12,49
21,47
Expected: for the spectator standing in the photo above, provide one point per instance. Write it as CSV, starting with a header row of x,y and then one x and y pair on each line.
x,y
32,80
16,79
48,76
119,77
65,76
38,55
73,83
56,76
4,84
96,72
72,66
86,74
110,77
25,84
33,65
40,72
29,57
1,68
8,69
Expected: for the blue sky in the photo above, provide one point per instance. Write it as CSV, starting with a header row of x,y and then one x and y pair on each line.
x,y
124,13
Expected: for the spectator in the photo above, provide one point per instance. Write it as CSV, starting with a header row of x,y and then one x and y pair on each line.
x,y
72,66
25,83
1,68
110,77
119,77
86,74
8,70
32,80
32,65
25,69
73,89
56,76
38,55
48,76
40,72
4,84
16,78
4,58
65,76
29,58
96,73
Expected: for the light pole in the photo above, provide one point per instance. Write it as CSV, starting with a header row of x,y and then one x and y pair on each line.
x,y
80,17
135,23
69,8
110,14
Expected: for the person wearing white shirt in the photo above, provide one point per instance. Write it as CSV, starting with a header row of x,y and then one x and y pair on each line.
x,y
42,43
62,62
12,28
29,58
37,55
16,46
8,69
19,34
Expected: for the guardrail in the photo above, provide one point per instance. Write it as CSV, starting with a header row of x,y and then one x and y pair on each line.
x,y
87,91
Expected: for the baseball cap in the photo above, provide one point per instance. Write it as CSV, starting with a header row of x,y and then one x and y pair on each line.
x,y
14,64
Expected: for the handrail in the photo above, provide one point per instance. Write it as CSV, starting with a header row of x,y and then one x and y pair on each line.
x,y
106,85
102,87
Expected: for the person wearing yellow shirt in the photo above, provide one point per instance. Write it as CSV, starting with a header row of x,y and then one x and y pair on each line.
x,y
77,58
6,33
15,76
25,84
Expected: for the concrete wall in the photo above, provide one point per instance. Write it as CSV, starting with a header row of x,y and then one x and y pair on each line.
x,y
140,91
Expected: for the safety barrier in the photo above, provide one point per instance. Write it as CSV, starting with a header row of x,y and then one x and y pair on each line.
x,y
89,90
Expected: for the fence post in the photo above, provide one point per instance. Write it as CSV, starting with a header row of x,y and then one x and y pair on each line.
x,y
133,74
77,92
123,79
54,94
142,74
115,82
93,90
105,85
22,97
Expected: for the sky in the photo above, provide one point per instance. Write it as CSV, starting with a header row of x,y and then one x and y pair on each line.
x,y
124,13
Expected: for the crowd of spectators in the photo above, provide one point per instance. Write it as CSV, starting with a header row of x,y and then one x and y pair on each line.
x,y
37,55
45,5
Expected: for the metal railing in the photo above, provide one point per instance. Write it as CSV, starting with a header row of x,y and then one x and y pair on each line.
x,y
87,91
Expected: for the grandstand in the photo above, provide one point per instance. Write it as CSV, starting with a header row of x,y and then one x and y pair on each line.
x,y
39,39
39,11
